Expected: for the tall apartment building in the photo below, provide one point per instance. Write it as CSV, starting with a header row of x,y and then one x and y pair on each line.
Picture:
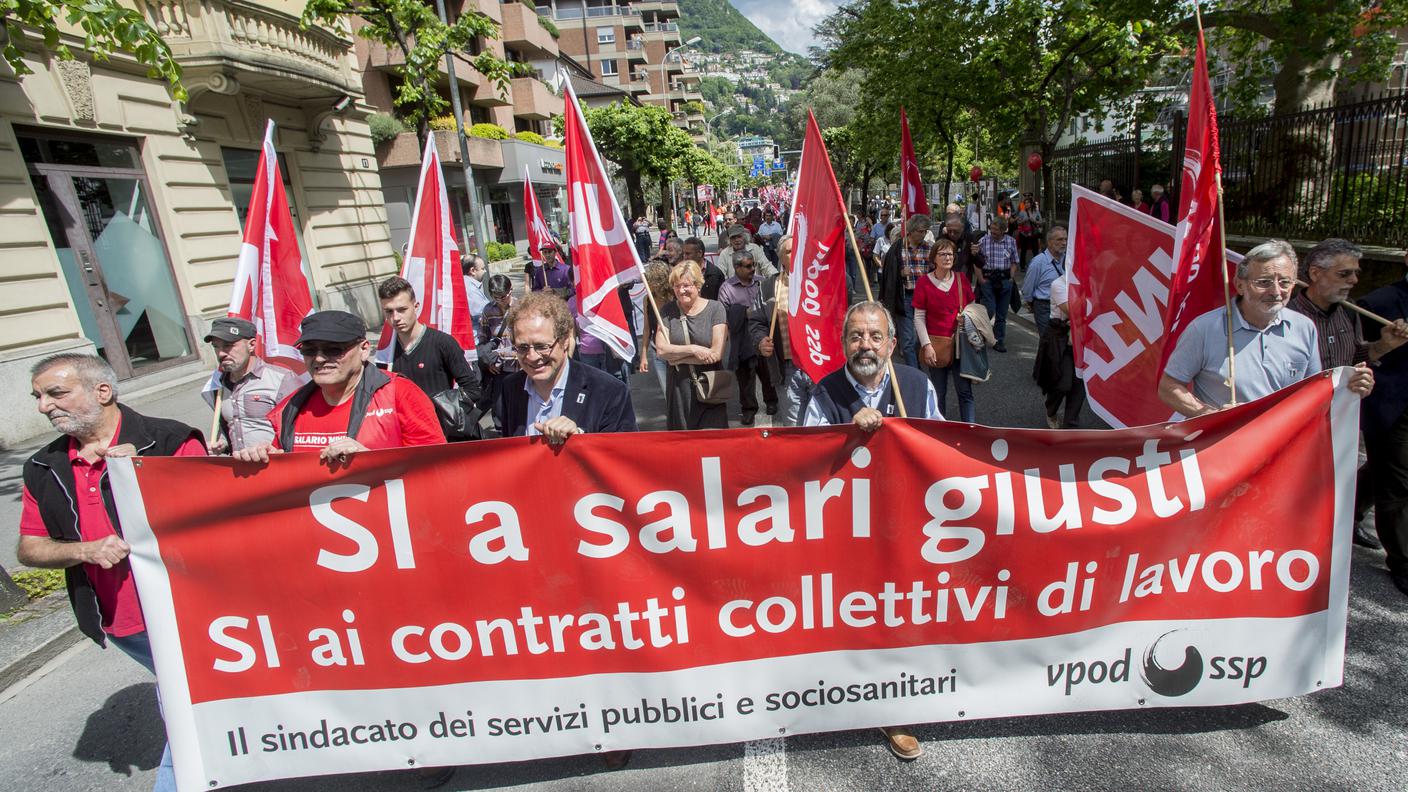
x,y
636,47
123,208
498,166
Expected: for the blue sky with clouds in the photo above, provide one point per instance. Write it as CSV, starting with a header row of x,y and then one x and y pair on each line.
x,y
789,22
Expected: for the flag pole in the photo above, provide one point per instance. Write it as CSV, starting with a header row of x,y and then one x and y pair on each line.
x,y
215,421
870,296
1231,381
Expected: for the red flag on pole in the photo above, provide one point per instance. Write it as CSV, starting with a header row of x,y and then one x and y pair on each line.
x,y
270,288
538,234
601,244
1198,256
911,184
816,294
432,264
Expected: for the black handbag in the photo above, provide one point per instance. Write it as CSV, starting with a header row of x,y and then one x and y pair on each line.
x,y
459,417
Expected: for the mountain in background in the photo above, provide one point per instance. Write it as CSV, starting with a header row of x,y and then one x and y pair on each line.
x,y
722,27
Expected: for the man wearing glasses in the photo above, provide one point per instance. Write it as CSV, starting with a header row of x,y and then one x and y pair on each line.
x,y
350,405
1274,347
549,396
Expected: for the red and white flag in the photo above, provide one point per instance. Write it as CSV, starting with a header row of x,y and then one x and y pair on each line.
x,y
601,243
270,288
816,294
432,264
538,234
1198,258
911,184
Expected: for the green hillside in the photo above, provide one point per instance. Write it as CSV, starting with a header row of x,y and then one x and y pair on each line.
x,y
722,27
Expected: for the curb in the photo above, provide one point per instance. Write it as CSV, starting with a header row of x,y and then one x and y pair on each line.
x,y
56,633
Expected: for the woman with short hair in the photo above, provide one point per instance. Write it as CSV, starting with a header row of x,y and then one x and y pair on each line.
x,y
693,339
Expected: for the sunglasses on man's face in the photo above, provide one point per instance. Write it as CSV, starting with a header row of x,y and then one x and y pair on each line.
x,y
328,351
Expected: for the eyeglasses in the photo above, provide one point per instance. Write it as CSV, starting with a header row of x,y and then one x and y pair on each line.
x,y
876,338
541,350
944,254
744,265
1263,284
329,351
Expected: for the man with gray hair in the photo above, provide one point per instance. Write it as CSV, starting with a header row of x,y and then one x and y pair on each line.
x,y
1331,271
860,393
904,264
68,518
1274,347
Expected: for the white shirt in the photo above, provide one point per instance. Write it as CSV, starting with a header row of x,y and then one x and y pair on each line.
x,y
544,411
1060,294
871,398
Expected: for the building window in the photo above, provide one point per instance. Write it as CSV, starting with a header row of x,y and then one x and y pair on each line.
x,y
606,35
608,68
479,115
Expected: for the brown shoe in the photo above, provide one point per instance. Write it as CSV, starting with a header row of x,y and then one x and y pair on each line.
x,y
615,760
902,743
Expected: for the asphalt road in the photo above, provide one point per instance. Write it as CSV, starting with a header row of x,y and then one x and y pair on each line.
x,y
90,721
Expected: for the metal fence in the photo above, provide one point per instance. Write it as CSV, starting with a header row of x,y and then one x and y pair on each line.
x,y
1338,170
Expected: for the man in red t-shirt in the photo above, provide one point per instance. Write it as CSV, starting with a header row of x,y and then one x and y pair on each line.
x,y
350,405
69,520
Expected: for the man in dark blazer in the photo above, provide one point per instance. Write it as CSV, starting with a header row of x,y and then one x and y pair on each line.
x,y
1384,420
551,396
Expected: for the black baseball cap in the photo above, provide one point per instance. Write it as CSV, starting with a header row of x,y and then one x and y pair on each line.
x,y
230,329
338,327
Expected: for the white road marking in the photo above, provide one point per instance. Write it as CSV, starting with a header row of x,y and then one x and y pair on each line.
x,y
765,765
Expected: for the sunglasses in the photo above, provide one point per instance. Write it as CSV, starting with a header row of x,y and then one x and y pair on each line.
x,y
314,349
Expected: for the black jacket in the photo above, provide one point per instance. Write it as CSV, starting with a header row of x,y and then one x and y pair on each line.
x,y
48,476
595,400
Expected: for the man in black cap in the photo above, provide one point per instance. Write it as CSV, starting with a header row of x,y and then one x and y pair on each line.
x,y
249,389
350,405
740,240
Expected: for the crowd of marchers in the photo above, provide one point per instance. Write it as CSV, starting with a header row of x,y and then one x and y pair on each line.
x,y
719,344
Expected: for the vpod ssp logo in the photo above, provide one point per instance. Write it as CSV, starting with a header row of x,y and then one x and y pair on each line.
x,y
1177,680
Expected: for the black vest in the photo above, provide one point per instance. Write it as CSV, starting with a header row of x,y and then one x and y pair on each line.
x,y
373,379
48,475
839,401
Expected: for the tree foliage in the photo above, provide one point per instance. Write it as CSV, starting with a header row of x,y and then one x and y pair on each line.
x,y
413,28
104,25
642,141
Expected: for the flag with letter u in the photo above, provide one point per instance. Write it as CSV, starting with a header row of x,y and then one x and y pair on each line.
x,y
601,244
1198,256
816,294
911,183
432,264
538,234
270,289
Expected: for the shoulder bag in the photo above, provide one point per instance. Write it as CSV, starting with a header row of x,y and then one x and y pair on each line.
x,y
710,387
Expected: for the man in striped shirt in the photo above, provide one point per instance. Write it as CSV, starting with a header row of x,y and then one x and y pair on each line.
x,y
1000,260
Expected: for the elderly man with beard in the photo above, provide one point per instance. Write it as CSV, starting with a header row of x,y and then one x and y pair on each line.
x,y
1274,348
249,388
68,519
860,393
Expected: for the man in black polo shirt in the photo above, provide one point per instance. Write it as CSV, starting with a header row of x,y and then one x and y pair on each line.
x,y
431,359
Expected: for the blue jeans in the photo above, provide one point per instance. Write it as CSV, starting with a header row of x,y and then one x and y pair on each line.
x,y
996,296
1041,314
967,411
139,648
908,340
605,361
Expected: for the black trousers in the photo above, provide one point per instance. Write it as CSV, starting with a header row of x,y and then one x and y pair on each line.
x,y
747,371
1388,469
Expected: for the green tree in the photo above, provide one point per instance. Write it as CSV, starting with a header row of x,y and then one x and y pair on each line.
x,y
104,25
643,143
413,28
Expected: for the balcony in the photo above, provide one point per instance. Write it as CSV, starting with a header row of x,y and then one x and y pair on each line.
x,y
532,99
522,31
222,45
660,8
404,151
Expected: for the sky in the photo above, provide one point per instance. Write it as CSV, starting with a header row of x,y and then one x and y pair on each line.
x,y
788,22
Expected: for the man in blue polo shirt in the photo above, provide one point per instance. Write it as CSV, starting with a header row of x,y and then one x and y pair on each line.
x,y
1274,347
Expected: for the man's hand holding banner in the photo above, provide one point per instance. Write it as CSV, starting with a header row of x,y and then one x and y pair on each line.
x,y
386,615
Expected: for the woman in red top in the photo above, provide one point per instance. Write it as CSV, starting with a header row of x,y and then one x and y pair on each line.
x,y
939,298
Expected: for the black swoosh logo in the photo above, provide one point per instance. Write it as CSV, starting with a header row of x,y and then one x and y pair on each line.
x,y
1172,682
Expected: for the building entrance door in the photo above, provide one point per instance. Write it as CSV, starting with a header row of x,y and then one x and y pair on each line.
x,y
109,244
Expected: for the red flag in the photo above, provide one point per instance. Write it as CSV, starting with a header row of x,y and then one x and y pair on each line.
x,y
1118,267
538,234
270,288
601,244
816,294
1198,253
432,264
911,184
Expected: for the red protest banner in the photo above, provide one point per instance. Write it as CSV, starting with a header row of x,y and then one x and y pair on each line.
x,y
1119,270
308,621
816,298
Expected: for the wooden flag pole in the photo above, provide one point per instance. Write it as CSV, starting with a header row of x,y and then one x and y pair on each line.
x,y
215,420
1364,312
870,296
1222,249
